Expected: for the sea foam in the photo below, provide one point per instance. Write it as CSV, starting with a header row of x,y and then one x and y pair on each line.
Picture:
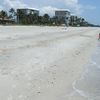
x,y
88,86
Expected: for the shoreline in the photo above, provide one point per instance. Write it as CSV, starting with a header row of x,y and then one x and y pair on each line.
x,y
84,87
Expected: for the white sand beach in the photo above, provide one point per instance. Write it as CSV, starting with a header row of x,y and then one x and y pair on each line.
x,y
42,63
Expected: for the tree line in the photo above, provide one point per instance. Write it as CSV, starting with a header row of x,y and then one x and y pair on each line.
x,y
28,19
34,19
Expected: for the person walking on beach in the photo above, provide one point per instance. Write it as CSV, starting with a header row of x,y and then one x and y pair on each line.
x,y
99,37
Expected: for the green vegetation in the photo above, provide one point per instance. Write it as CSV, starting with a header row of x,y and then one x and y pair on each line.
x,y
12,17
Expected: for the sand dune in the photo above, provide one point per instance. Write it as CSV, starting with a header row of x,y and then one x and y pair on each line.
x,y
42,63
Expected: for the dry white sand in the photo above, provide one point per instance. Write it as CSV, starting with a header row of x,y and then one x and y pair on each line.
x,y
42,63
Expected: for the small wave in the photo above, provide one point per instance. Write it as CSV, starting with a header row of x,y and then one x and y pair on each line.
x,y
88,85
80,92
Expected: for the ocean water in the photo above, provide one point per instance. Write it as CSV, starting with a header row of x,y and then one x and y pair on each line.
x,y
88,86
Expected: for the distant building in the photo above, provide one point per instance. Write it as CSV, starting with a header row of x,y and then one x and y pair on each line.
x,y
26,12
63,15
83,22
73,19
77,21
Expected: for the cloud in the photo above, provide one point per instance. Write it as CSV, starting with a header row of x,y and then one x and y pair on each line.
x,y
73,5
14,3
78,8
1,7
48,9
48,6
89,7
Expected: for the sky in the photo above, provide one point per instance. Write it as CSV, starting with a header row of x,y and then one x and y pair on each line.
x,y
89,9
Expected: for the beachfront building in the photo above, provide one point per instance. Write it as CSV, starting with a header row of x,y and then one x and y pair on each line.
x,y
73,20
83,22
22,13
63,16
77,21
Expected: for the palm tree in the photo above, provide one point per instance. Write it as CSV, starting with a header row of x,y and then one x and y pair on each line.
x,y
3,14
35,18
12,14
46,18
21,17
40,20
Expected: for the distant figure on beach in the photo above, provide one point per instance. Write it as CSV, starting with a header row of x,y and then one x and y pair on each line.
x,y
99,37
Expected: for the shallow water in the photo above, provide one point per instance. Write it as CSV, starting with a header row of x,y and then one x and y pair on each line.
x,y
88,86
